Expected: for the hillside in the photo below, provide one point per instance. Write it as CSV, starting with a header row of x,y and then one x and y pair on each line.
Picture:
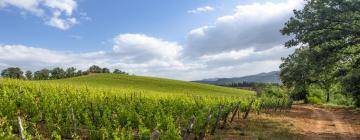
x,y
149,85
270,77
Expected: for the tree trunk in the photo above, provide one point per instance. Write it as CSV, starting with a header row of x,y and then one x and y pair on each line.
x,y
306,98
327,95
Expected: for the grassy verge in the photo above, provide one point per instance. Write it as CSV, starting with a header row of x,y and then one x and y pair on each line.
x,y
261,126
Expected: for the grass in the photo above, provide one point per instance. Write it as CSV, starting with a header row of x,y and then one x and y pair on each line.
x,y
260,127
142,84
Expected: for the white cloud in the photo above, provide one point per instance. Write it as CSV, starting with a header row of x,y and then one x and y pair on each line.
x,y
55,13
254,25
201,10
28,5
134,53
241,69
35,58
67,6
141,48
248,55
61,23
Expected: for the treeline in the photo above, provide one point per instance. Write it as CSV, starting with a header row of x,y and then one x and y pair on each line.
x,y
247,84
262,89
326,35
239,84
55,73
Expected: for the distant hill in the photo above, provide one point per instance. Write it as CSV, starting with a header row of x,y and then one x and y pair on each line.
x,y
270,77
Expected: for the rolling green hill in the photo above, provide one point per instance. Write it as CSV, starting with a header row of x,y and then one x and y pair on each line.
x,y
149,85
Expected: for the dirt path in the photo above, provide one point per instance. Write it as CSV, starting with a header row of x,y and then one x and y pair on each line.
x,y
304,122
325,123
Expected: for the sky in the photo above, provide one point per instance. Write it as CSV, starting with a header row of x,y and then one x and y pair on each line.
x,y
185,40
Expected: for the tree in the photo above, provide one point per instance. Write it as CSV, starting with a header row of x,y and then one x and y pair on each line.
x,y
295,73
117,71
13,72
29,75
79,73
43,74
70,72
57,73
105,70
94,69
351,79
329,30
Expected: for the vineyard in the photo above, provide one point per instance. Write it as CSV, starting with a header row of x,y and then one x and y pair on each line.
x,y
40,110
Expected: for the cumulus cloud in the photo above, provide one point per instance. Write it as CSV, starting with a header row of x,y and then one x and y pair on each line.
x,y
28,5
254,25
34,58
135,53
201,10
248,55
141,48
56,13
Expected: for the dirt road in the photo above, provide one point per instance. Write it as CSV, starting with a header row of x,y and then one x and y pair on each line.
x,y
302,122
316,122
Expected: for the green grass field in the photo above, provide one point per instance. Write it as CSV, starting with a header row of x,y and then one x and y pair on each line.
x,y
143,84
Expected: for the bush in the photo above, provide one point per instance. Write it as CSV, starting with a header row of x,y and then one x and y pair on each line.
x,y
314,100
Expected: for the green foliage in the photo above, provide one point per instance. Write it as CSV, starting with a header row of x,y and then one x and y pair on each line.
x,y
6,130
103,113
57,73
117,71
271,90
140,84
295,73
12,72
327,34
43,74
71,72
95,69
105,70
351,83
29,75
314,100
341,99
65,109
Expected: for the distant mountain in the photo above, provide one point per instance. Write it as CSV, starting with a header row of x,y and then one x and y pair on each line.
x,y
270,77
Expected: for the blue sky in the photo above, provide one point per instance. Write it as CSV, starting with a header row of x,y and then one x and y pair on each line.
x,y
188,39
167,19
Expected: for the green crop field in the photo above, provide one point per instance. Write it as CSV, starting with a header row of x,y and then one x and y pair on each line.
x,y
150,85
113,106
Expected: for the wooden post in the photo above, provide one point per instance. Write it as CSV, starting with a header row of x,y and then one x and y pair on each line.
x,y
213,127
277,105
21,128
189,129
155,135
283,105
202,133
261,104
73,120
238,113
290,103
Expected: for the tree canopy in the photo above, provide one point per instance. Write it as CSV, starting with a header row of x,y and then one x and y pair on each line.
x,y
13,72
327,35
55,73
